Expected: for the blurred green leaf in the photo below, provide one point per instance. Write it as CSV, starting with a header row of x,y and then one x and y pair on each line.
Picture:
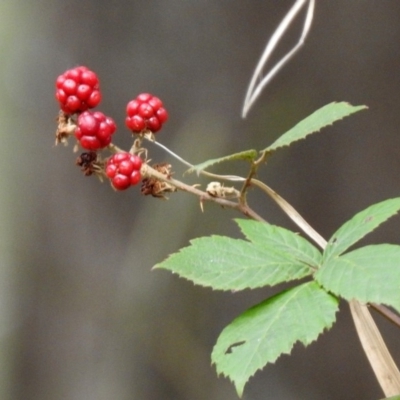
x,y
360,225
264,332
248,155
325,116
369,274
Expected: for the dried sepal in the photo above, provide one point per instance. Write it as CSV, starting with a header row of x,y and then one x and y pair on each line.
x,y
156,188
65,127
90,164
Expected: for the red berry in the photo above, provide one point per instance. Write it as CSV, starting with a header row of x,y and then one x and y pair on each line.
x,y
94,130
123,169
146,112
121,182
162,115
135,177
77,90
83,91
154,124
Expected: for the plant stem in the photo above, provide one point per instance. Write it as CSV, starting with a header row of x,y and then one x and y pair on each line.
x,y
231,178
292,213
378,355
148,171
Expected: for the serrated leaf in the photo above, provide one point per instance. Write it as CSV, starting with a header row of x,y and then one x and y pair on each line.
x,y
234,264
392,398
264,332
247,155
281,239
369,274
360,225
325,116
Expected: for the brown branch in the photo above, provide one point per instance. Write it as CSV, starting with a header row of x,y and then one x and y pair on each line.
x,y
149,172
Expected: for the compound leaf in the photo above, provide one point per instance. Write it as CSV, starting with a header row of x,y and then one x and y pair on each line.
x,y
369,274
325,116
264,332
360,225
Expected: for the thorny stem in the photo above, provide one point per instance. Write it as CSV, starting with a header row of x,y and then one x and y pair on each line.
x,y
148,171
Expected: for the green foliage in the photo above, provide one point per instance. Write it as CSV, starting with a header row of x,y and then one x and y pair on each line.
x,y
281,239
273,255
264,332
360,225
392,398
369,274
321,118
325,116
247,155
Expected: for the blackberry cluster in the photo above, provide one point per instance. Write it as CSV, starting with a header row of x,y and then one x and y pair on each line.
x,y
78,91
94,130
123,169
146,112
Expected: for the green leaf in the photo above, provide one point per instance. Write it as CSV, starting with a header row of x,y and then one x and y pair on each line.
x,y
264,332
233,264
392,398
360,225
248,155
325,116
281,239
370,274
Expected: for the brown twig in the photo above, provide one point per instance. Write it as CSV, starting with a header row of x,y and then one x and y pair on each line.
x,y
148,172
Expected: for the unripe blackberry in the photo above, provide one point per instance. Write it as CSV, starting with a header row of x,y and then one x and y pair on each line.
x,y
94,130
77,90
146,112
123,169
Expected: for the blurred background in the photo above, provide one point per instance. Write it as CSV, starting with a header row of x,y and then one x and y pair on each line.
x,y
82,316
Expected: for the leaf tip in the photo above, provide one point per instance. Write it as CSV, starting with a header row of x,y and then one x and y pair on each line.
x,y
240,389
